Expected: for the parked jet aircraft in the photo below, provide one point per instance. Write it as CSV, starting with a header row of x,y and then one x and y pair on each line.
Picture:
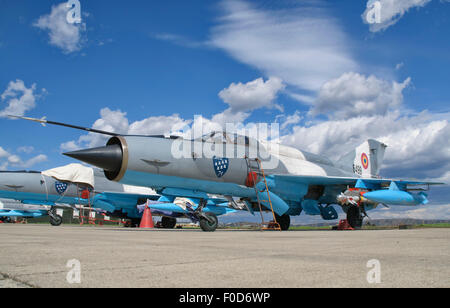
x,y
10,209
76,184
298,182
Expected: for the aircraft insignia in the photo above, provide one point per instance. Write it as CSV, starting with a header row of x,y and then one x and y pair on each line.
x,y
365,160
220,166
60,187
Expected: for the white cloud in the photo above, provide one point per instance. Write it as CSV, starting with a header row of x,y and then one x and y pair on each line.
x,y
67,36
3,153
252,95
7,159
33,161
70,146
353,95
25,149
391,12
290,119
116,121
19,98
435,211
303,45
398,66
420,150
179,40
157,125
230,116
418,144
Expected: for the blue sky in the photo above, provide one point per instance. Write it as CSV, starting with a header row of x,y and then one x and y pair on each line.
x,y
317,67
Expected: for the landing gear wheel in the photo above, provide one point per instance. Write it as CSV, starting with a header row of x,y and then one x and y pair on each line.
x,y
284,221
6,220
56,220
354,217
135,222
168,222
209,226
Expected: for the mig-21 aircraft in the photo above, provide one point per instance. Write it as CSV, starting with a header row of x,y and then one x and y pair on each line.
x,y
76,184
262,175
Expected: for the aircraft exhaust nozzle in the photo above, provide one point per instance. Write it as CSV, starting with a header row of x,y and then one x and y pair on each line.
x,y
109,157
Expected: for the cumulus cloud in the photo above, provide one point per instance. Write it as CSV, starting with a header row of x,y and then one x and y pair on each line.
x,y
303,44
19,98
116,121
418,145
157,125
288,120
391,11
8,159
434,211
3,153
66,36
353,95
252,95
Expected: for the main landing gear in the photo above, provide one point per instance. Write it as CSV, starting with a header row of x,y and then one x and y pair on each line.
x,y
284,221
355,217
168,222
55,219
208,221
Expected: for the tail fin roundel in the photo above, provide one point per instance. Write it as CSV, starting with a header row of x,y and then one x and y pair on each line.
x,y
366,159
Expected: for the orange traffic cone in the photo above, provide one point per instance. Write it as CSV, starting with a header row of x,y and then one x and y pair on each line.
x,y
147,219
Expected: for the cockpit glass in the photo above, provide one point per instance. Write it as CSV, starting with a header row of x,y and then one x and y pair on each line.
x,y
223,137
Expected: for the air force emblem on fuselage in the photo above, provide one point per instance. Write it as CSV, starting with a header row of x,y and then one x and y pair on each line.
x,y
220,166
60,187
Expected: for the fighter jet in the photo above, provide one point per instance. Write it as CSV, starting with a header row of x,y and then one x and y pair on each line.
x,y
76,184
264,176
69,185
10,209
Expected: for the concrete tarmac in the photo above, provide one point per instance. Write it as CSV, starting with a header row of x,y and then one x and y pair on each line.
x,y
37,256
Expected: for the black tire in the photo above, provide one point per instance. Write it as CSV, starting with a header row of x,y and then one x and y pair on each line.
x,y
135,222
168,222
354,218
56,220
284,221
6,220
208,226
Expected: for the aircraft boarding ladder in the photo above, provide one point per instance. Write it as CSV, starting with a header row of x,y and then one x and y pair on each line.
x,y
255,170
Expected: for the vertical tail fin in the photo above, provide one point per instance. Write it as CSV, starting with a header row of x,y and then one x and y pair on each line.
x,y
365,160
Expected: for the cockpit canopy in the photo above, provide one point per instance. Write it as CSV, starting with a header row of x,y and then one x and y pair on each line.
x,y
220,137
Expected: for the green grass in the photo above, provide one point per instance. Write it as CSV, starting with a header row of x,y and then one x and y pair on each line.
x,y
441,225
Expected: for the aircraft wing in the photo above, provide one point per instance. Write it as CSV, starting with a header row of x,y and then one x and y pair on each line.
x,y
328,180
384,191
21,213
112,201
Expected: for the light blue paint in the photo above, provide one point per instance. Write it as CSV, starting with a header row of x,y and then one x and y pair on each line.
x,y
396,197
25,214
138,178
172,207
38,199
279,205
311,207
328,213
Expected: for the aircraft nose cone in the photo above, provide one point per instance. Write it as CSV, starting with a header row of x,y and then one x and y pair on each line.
x,y
108,158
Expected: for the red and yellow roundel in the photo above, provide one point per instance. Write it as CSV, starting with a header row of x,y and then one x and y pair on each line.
x,y
365,161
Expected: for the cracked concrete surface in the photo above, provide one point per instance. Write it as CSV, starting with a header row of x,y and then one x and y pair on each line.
x,y
37,255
